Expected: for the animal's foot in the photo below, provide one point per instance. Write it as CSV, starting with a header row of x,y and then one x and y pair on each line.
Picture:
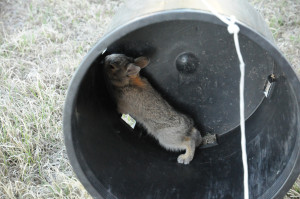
x,y
184,159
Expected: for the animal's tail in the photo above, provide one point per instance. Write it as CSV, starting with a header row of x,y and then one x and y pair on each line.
x,y
197,136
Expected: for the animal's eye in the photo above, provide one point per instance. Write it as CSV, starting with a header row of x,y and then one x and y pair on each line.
x,y
111,66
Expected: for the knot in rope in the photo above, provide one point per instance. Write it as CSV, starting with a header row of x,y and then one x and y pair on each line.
x,y
232,27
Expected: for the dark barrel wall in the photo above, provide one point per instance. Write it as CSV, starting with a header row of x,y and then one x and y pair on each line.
x,y
114,161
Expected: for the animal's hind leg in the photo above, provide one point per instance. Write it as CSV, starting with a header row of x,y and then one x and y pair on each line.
x,y
189,145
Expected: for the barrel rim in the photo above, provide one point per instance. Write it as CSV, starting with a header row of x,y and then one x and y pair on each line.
x,y
81,168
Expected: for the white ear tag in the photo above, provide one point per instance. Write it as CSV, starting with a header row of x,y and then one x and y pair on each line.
x,y
129,120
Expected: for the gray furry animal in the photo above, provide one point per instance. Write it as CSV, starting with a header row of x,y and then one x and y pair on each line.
x,y
135,96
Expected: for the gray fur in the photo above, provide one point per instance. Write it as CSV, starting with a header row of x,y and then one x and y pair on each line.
x,y
173,130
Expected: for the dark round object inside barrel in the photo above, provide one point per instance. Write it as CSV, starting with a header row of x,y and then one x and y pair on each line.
x,y
187,63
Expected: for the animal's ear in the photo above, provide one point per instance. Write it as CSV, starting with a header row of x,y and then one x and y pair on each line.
x,y
142,62
133,70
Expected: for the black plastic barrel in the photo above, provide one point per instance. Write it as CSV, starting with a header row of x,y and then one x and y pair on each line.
x,y
195,67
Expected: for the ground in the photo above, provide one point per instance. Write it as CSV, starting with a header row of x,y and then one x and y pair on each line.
x,y
41,44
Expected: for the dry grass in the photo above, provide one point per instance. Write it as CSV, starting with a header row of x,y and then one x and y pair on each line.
x,y
283,18
41,44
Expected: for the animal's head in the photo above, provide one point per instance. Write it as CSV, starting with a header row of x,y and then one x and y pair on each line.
x,y
120,68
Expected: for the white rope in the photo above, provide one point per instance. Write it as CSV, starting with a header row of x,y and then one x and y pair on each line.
x,y
234,29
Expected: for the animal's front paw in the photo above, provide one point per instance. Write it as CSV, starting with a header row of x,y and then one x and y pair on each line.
x,y
184,159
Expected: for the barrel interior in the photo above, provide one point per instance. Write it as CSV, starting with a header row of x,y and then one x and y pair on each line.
x,y
127,163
